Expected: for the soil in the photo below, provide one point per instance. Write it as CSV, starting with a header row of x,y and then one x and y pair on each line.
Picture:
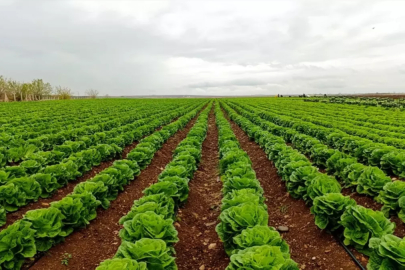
x,y
99,241
310,247
199,246
388,95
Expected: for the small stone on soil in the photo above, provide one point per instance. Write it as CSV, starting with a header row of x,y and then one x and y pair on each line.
x,y
210,224
282,228
212,246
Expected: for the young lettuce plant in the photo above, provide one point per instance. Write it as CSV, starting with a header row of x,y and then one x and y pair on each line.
x,y
153,252
329,208
149,225
372,181
388,252
127,264
48,227
237,218
360,224
17,242
2,216
158,203
240,196
321,185
260,236
390,196
261,257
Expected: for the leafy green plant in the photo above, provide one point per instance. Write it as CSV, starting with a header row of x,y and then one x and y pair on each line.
x,y
261,257
329,208
97,189
172,186
237,218
2,216
11,197
149,225
240,196
390,196
321,185
372,181
236,183
388,252
259,236
153,252
297,183
48,227
360,224
65,258
158,203
16,243
47,182
127,264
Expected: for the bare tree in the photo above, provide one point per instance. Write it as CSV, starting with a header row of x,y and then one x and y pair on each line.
x,y
63,92
92,93
4,87
14,88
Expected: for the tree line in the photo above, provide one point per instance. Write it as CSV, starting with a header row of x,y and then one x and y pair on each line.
x,y
12,90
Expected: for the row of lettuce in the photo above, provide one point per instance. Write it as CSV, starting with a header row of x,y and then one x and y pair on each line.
x,y
387,133
148,232
379,119
35,178
74,134
382,122
387,156
370,232
368,180
346,135
243,226
40,229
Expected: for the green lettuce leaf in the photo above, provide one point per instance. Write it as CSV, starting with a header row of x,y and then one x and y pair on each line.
x,y
329,208
260,236
48,227
153,252
261,257
17,242
360,224
149,225
121,264
388,252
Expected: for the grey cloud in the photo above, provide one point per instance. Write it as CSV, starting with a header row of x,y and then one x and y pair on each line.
x,y
239,82
67,45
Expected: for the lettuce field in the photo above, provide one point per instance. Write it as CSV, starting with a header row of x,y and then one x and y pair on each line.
x,y
204,184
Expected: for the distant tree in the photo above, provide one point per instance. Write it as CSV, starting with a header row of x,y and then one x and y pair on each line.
x,y
63,92
4,87
40,89
92,93
14,88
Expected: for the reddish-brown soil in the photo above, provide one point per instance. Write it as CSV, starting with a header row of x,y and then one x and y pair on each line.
x,y
310,247
100,240
388,95
199,246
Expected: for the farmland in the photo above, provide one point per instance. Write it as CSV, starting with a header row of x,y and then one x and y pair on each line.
x,y
232,183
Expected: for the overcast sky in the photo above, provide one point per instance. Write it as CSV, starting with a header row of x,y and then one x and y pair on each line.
x,y
206,47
